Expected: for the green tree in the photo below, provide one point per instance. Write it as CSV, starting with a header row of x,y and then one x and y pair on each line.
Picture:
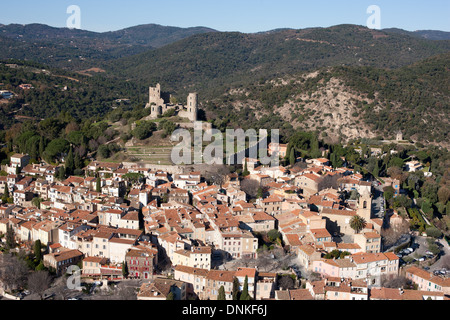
x,y
292,157
433,232
170,296
10,237
273,235
61,173
5,196
396,162
245,172
144,130
55,148
357,223
41,147
245,294
98,185
235,291
37,251
221,295
78,163
69,163
125,269
103,151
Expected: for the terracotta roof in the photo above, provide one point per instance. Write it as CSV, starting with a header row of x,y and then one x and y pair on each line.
x,y
300,294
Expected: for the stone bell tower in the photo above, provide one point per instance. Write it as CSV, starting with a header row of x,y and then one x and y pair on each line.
x,y
365,205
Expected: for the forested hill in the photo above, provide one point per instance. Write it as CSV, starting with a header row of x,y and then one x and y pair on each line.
x,y
75,49
346,102
426,34
210,62
57,91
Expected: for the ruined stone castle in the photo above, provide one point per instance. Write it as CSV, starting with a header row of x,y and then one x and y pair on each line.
x,y
160,104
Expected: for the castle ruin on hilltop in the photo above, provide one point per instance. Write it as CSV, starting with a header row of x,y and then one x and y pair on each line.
x,y
160,104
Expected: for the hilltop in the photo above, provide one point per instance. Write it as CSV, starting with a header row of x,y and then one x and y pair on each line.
x,y
76,49
212,62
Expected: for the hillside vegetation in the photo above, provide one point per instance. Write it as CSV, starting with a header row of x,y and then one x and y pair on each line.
x,y
212,62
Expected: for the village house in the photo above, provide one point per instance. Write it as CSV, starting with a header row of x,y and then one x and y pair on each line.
x,y
405,295
196,257
141,261
160,288
427,281
100,268
17,161
62,259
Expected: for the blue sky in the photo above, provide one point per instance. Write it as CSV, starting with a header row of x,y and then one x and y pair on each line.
x,y
230,15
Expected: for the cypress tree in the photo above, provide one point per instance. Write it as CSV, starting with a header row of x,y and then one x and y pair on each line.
x,y
70,162
98,186
10,240
221,295
125,269
235,290
41,147
37,250
77,161
292,157
246,172
61,173
245,295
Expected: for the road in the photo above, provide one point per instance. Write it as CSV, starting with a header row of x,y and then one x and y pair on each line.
x,y
444,261
378,209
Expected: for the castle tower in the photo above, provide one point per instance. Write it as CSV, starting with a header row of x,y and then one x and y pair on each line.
x,y
365,205
155,102
155,94
192,106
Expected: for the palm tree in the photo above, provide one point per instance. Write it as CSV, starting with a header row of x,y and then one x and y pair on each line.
x,y
357,223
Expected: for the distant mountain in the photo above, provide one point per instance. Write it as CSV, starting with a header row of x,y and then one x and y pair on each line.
x,y
80,49
426,34
209,62
36,31
153,35
150,35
